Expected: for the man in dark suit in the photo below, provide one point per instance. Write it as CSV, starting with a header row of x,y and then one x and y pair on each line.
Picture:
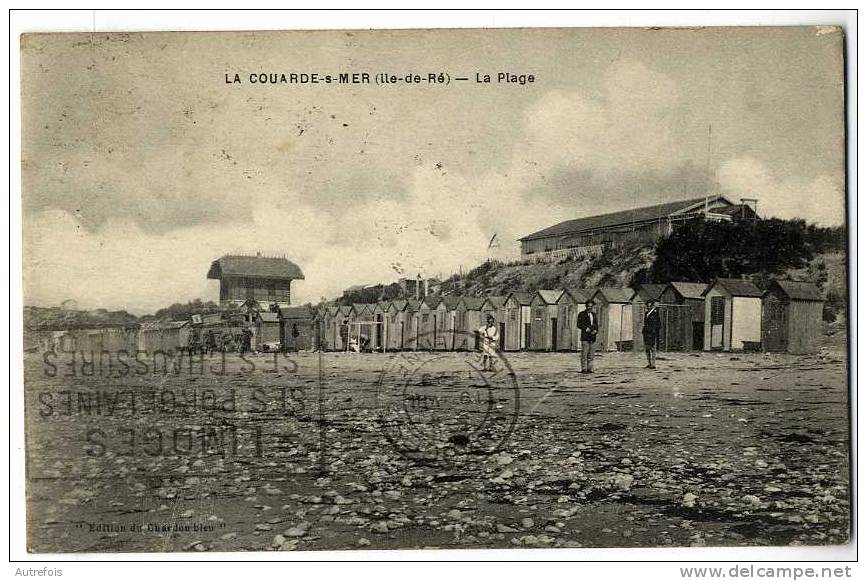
x,y
650,332
588,323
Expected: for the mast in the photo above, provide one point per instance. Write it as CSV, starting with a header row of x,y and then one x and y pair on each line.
x,y
707,173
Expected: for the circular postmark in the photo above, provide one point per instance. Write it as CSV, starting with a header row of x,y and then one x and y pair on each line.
x,y
439,405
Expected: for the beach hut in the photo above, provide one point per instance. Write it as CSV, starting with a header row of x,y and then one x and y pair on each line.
x,y
543,323
517,309
570,303
426,327
675,318
446,313
330,316
792,317
614,308
468,320
496,306
267,333
361,328
689,294
343,319
165,337
380,328
298,328
732,315
398,319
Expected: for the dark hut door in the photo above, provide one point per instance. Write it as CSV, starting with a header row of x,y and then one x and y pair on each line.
x,y
775,325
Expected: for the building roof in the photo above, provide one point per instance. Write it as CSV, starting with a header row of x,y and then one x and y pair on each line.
x,y
799,291
362,307
652,290
496,301
345,310
255,267
521,298
296,313
623,217
549,296
269,317
736,287
579,295
431,302
616,294
175,324
474,303
689,290
451,301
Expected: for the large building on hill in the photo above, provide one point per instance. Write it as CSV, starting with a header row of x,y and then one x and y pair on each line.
x,y
591,235
264,279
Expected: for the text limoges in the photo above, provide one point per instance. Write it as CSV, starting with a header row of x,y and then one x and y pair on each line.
x,y
506,78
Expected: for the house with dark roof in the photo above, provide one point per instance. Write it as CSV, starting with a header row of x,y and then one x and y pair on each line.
x,y
732,315
266,279
792,317
591,235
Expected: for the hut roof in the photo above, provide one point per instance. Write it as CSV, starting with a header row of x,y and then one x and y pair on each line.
x,y
431,302
451,301
689,290
550,296
799,291
254,267
580,295
474,303
175,324
412,305
296,313
345,310
646,214
736,287
521,298
652,290
497,301
615,294
362,307
269,317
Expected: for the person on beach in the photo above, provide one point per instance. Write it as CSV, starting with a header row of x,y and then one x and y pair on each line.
x,y
490,336
588,323
650,332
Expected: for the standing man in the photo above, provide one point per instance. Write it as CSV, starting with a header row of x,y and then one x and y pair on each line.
x,y
650,332
490,336
588,324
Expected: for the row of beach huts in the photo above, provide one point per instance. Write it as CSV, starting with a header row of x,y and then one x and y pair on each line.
x,y
725,315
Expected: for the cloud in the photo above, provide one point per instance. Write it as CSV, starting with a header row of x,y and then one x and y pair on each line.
x,y
359,194
819,200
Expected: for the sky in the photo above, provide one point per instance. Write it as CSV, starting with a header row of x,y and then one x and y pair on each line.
x,y
141,164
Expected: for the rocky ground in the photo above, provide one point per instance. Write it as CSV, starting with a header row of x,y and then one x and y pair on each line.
x,y
419,450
